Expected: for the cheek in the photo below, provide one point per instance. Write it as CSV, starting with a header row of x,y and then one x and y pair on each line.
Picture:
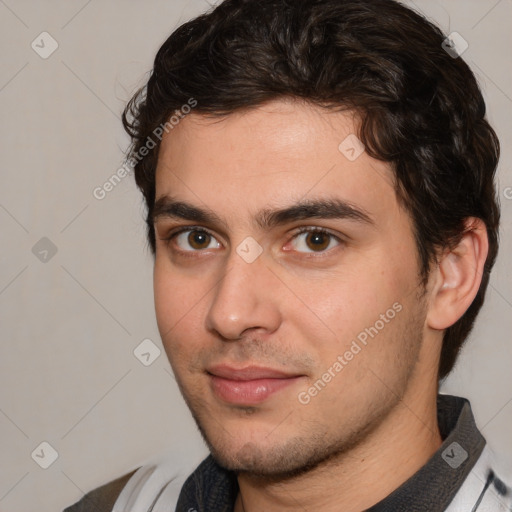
x,y
165,301
178,308
349,306
175,295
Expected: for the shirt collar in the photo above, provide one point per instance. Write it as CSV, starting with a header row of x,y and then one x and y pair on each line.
x,y
435,484
432,487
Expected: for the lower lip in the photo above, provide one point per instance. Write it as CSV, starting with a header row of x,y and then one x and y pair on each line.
x,y
248,392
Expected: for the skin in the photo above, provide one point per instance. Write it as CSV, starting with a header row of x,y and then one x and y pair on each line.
x,y
297,308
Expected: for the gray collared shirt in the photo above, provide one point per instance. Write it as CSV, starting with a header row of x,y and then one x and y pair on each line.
x,y
432,488
460,477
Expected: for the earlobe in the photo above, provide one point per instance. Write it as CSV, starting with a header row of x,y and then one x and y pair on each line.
x,y
458,276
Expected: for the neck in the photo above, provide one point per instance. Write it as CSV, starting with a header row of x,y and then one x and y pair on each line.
x,y
362,476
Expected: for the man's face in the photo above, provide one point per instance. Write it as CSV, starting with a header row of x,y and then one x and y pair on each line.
x,y
298,352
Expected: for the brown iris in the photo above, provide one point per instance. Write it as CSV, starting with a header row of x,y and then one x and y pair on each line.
x,y
319,241
198,239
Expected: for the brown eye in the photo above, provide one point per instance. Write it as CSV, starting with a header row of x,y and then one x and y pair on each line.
x,y
314,240
191,240
317,241
198,239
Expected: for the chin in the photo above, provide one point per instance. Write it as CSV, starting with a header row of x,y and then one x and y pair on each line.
x,y
285,459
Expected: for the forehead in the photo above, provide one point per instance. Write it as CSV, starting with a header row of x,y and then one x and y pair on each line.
x,y
282,152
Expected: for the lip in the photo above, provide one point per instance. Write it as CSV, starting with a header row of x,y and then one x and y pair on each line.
x,y
248,373
251,385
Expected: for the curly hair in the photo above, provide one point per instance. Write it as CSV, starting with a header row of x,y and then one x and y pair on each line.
x,y
420,108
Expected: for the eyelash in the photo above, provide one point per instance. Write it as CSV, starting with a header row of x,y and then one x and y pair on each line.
x,y
306,229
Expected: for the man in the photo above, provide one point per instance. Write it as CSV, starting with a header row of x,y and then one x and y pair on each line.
x,y
319,181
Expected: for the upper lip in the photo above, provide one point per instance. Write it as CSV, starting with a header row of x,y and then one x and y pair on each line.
x,y
248,373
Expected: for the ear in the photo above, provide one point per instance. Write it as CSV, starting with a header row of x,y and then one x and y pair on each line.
x,y
457,277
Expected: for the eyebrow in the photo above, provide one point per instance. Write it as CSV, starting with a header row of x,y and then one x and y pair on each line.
x,y
331,208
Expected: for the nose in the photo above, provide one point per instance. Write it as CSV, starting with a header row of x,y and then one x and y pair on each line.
x,y
244,299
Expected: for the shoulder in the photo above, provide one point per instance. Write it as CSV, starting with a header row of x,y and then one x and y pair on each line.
x,y
487,487
155,484
101,499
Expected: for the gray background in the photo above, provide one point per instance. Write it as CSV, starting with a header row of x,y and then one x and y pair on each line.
x,y
70,324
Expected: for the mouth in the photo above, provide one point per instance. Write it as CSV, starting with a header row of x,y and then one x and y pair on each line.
x,y
247,386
